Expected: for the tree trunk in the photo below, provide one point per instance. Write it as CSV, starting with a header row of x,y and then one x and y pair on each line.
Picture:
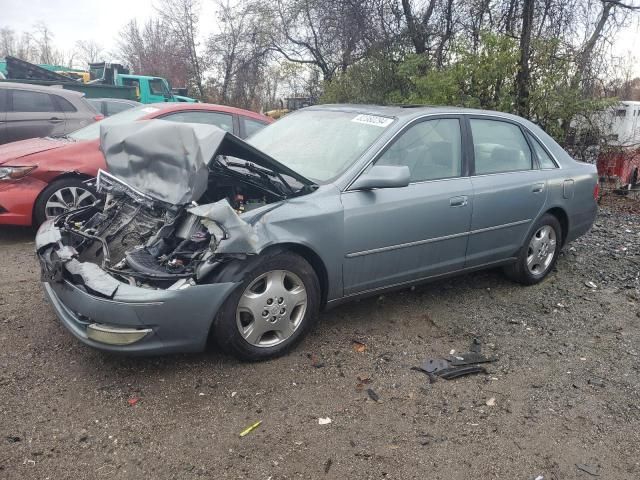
x,y
523,77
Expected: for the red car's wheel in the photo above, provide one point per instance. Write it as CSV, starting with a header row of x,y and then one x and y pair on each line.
x,y
61,196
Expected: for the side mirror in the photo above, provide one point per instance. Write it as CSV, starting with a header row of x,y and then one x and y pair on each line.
x,y
383,176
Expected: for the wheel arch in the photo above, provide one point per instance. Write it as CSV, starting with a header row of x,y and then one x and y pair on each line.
x,y
563,218
314,260
75,175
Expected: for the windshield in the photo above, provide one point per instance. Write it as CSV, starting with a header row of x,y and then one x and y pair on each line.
x,y
319,144
92,132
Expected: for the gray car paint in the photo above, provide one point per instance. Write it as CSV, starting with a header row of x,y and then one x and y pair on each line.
x,y
362,242
23,125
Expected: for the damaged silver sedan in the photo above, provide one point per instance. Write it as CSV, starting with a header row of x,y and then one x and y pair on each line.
x,y
198,235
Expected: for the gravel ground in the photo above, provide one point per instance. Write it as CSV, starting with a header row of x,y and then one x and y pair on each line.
x,y
564,391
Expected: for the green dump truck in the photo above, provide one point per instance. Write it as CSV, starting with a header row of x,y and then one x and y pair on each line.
x,y
106,80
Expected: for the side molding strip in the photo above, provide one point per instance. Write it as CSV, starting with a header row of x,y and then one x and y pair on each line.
x,y
435,239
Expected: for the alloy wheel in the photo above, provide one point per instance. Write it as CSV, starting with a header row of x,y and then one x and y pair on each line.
x,y
271,308
67,198
541,251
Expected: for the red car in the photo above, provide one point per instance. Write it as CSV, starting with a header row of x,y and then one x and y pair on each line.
x,y
41,178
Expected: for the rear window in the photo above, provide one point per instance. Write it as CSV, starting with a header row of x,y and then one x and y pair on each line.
x,y
64,105
26,101
92,132
116,107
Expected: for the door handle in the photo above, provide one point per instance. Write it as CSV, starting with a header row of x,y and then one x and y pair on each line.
x,y
56,120
460,201
538,187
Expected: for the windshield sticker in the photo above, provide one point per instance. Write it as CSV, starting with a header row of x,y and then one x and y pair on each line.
x,y
373,120
150,109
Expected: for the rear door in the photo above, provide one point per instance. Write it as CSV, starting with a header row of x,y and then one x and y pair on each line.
x,y
509,189
75,118
3,115
32,114
399,235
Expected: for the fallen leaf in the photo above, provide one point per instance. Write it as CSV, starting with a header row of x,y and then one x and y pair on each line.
x,y
133,400
359,347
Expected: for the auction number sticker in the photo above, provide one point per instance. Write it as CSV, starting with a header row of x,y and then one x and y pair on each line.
x,y
373,120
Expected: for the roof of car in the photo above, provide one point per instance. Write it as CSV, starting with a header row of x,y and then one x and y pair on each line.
x,y
182,106
404,111
41,88
116,100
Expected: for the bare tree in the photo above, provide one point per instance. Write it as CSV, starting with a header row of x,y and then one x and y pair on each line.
x,y
418,24
181,18
153,50
89,51
330,35
524,76
45,49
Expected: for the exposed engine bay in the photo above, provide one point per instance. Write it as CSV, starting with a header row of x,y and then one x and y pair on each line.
x,y
145,242
169,210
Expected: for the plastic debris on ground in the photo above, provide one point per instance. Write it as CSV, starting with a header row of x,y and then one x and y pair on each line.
x,y
133,401
324,421
250,428
373,395
457,364
590,469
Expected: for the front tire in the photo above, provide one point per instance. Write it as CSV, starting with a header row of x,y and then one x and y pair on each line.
x,y
273,309
539,253
61,196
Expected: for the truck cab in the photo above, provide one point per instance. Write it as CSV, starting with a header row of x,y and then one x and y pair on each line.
x,y
149,89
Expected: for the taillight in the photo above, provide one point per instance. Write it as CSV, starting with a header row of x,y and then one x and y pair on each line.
x,y
98,117
596,191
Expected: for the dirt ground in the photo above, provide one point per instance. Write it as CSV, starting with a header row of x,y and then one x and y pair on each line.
x,y
564,391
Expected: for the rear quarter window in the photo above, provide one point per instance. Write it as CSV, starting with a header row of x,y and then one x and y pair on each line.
x,y
26,101
252,126
544,159
63,104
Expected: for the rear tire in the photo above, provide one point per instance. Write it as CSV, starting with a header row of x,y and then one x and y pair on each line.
x,y
279,296
539,253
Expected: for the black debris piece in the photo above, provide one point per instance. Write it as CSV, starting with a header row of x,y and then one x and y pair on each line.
x,y
373,395
327,465
454,366
455,372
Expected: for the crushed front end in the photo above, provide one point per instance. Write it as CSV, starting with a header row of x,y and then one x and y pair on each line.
x,y
124,276
135,272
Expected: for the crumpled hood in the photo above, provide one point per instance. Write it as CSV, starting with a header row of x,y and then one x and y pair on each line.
x,y
169,161
22,148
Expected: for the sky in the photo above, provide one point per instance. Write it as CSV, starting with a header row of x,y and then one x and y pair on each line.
x,y
101,20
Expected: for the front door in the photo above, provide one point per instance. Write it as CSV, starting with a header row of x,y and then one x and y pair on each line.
x,y
398,235
509,190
